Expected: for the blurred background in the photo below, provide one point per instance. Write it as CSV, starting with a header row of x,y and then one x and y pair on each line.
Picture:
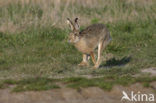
x,y
18,15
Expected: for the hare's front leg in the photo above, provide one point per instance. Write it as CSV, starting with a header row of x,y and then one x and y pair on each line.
x,y
85,60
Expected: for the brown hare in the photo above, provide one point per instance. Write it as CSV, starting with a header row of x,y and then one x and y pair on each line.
x,y
96,35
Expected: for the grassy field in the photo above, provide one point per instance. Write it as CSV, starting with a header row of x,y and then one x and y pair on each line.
x,y
33,42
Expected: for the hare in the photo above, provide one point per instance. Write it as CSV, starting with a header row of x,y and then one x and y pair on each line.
x,y
87,40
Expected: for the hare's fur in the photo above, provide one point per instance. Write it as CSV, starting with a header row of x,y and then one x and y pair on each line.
x,y
96,35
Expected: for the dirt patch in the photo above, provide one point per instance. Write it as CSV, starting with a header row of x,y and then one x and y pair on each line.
x,y
151,71
68,95
147,71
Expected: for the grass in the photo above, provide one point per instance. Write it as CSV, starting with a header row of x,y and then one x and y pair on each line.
x,y
108,82
45,52
35,84
33,42
105,83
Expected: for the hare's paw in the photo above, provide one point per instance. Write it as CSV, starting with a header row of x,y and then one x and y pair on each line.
x,y
96,66
83,64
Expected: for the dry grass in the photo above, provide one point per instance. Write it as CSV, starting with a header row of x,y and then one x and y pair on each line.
x,y
17,15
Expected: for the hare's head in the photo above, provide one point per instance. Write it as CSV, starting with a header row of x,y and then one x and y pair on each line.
x,y
74,34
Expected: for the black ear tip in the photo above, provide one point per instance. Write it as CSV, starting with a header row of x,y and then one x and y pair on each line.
x,y
68,19
76,19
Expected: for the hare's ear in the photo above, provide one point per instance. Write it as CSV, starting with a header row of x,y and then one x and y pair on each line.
x,y
70,23
76,24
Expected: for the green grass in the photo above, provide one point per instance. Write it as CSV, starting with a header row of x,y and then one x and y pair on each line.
x,y
37,48
35,84
108,82
105,83
46,51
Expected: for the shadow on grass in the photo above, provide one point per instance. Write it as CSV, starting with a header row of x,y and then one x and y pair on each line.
x,y
116,62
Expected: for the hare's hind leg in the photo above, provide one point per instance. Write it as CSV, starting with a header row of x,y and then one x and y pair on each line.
x,y
100,48
102,45
85,60
93,57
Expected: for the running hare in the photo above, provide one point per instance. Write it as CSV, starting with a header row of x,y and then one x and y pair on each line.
x,y
87,40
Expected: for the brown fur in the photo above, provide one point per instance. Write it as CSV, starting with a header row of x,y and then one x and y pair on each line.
x,y
96,35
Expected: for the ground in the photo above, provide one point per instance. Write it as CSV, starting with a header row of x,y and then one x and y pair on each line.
x,y
83,95
68,95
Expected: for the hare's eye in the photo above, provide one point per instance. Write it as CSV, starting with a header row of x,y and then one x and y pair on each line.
x,y
76,34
